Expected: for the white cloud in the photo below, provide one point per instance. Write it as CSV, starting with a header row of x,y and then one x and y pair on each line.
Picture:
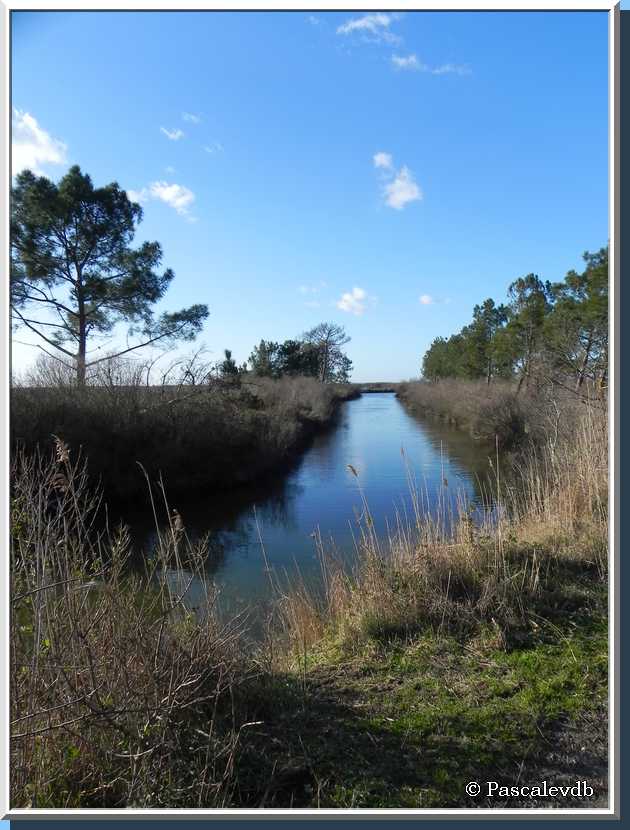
x,y
215,147
426,299
451,68
191,118
313,20
177,196
400,187
32,146
169,169
402,190
140,196
383,160
411,62
376,24
173,135
353,301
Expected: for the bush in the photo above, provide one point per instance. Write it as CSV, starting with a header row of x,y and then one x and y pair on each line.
x,y
217,434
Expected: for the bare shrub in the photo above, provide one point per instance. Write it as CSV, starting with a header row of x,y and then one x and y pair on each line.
x,y
197,435
120,692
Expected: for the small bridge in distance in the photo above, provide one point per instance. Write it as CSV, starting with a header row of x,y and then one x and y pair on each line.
x,y
364,388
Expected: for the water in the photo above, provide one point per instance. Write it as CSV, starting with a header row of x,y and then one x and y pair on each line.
x,y
322,495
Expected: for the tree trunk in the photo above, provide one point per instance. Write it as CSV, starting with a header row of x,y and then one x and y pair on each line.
x,y
324,371
81,364
82,339
584,366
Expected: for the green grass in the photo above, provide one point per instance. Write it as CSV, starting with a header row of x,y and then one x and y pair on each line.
x,y
408,724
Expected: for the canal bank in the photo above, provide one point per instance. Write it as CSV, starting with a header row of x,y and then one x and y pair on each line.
x,y
375,453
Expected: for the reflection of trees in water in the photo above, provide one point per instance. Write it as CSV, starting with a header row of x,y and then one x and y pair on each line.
x,y
222,522
324,451
477,461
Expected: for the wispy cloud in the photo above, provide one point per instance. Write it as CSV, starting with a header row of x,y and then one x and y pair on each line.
x,y
191,117
170,169
176,196
313,20
215,147
400,186
353,302
375,25
32,147
451,69
312,288
173,135
383,160
429,299
408,62
312,304
411,63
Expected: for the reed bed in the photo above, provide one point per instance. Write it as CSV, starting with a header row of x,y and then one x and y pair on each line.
x,y
209,435
497,413
545,533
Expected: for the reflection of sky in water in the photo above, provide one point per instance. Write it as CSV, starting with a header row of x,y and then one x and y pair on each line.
x,y
322,494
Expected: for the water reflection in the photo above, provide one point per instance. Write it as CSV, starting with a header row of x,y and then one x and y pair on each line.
x,y
276,522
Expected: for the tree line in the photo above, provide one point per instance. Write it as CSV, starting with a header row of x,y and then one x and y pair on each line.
x,y
554,331
318,353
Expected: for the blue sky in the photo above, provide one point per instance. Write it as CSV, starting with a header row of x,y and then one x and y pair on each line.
x,y
383,171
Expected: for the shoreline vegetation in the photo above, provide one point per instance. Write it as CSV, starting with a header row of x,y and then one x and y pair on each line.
x,y
497,414
473,653
218,435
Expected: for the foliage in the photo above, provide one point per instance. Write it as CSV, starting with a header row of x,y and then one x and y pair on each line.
x,y
548,331
318,354
328,339
74,274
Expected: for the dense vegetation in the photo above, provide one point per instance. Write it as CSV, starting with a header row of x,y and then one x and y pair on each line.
x,y
516,371
449,654
317,354
548,332
216,434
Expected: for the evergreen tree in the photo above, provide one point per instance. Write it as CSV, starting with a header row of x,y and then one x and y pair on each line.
x,y
74,274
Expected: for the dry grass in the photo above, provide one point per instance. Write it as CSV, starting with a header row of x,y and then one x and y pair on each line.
x,y
546,534
496,413
120,693
198,437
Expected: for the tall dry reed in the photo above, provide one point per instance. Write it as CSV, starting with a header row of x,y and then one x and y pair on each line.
x,y
120,691
532,556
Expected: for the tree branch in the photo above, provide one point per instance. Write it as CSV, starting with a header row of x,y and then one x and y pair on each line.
x,y
39,334
138,345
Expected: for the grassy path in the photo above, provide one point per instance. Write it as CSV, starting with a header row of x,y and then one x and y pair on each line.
x,y
410,724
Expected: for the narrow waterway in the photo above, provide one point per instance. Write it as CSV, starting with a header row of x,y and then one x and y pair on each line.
x,y
385,446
